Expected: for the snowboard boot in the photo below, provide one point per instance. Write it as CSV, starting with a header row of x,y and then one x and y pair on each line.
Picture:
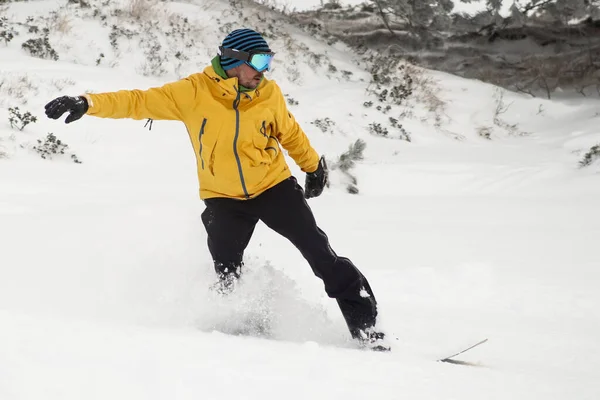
x,y
228,278
370,339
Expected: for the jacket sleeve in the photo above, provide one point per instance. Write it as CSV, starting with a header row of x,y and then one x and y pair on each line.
x,y
168,102
292,137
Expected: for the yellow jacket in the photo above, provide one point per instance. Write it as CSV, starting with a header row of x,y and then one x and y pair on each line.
x,y
236,135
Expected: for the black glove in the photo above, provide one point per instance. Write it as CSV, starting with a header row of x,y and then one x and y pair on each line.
x,y
76,106
316,181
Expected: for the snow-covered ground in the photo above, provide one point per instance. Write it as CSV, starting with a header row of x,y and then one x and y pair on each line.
x,y
104,271
471,7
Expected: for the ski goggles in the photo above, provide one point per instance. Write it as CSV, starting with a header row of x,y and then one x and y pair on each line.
x,y
259,60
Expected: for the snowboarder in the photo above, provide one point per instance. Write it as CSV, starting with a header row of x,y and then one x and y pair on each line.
x,y
238,121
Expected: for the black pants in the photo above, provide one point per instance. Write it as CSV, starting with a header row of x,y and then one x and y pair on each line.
x,y
230,224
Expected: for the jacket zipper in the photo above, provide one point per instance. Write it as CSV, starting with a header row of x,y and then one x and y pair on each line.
x,y
236,103
200,139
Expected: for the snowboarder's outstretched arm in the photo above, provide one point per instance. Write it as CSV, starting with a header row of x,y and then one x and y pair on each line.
x,y
168,102
292,137
294,140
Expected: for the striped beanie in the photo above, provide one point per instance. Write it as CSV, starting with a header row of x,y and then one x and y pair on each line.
x,y
243,40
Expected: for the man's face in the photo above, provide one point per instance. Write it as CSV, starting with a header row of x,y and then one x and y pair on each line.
x,y
247,76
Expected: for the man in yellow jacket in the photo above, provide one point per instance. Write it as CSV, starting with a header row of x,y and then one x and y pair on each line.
x,y
238,122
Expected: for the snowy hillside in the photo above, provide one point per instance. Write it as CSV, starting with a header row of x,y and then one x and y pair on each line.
x,y
483,225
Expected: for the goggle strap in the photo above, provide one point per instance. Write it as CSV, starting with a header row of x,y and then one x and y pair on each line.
x,y
240,55
236,54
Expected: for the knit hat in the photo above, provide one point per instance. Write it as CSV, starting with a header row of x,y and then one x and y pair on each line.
x,y
243,40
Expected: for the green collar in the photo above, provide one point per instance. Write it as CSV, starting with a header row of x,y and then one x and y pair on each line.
x,y
216,64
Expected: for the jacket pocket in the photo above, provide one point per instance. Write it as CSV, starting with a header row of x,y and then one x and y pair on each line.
x,y
200,141
261,137
272,146
264,141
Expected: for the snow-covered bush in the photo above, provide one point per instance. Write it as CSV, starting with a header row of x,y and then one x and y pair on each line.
x,y
332,5
485,132
400,86
501,108
390,80
165,39
7,33
291,101
135,10
155,57
402,133
346,74
347,161
367,8
3,153
299,50
19,121
82,3
592,155
52,146
375,128
61,84
59,21
378,129
142,9
325,124
426,93
17,88
41,47
116,32
385,109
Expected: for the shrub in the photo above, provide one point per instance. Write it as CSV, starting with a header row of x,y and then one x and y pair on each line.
x,y
155,62
52,146
291,101
82,3
590,156
347,161
400,83
99,59
332,5
346,74
19,121
139,10
116,32
385,109
395,82
3,153
40,47
501,108
403,134
17,88
6,33
324,124
375,128
485,132
365,7
60,22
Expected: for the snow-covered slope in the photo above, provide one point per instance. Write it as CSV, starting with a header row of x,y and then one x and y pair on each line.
x,y
104,272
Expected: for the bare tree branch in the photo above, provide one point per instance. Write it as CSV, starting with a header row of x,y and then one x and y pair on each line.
x,y
531,6
384,17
